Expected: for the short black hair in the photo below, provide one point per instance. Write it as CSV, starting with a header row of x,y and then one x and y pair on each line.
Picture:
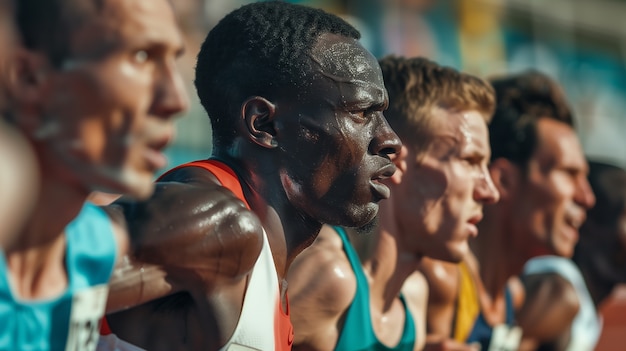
x,y
608,183
260,49
47,25
521,100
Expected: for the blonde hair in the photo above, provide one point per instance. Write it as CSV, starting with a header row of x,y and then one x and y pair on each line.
x,y
417,85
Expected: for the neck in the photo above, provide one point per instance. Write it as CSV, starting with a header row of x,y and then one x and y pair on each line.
x,y
40,247
288,230
497,261
390,263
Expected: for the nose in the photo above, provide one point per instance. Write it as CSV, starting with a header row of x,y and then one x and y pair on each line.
x,y
485,191
584,194
385,141
171,96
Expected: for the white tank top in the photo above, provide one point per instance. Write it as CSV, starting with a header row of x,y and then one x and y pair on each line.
x,y
255,330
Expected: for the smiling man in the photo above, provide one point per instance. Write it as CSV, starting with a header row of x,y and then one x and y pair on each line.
x,y
437,195
299,139
94,90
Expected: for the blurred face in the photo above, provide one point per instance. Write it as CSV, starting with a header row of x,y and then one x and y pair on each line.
x,y
341,142
109,107
440,197
552,200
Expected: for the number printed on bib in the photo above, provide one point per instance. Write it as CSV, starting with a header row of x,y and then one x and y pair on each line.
x,y
87,310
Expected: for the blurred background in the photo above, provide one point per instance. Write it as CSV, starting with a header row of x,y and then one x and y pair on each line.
x,y
580,43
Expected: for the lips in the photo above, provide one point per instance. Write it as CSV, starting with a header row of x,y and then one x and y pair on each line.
x,y
472,224
154,151
381,191
475,219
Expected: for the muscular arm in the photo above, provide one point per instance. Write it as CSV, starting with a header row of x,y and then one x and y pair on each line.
x,y
321,287
442,279
190,235
548,311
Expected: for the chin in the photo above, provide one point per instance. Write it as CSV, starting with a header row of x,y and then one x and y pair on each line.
x,y
355,217
456,254
136,185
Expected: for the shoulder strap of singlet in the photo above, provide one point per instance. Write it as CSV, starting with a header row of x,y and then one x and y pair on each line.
x,y
467,305
221,171
357,332
91,248
409,337
353,257
510,309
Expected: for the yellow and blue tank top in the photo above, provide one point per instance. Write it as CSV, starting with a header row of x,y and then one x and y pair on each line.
x,y
470,325
357,333
69,321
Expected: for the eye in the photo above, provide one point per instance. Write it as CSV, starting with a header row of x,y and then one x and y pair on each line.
x,y
476,160
359,114
140,56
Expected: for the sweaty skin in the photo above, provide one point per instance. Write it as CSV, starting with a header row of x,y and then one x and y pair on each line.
x,y
321,164
447,183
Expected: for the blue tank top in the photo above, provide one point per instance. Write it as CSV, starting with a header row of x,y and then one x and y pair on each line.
x,y
357,333
482,331
69,321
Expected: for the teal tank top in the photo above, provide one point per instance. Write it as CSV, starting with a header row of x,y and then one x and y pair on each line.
x,y
357,333
69,321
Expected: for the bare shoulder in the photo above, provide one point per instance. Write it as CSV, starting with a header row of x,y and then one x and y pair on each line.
x,y
415,292
442,278
323,273
195,226
550,306
321,287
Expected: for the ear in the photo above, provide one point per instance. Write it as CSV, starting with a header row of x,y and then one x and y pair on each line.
x,y
506,176
258,114
26,78
399,160
26,74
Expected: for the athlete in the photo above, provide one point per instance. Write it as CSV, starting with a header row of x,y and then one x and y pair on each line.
x,y
94,90
595,269
299,139
539,169
437,194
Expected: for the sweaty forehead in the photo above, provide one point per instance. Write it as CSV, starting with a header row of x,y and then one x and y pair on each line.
x,y
346,58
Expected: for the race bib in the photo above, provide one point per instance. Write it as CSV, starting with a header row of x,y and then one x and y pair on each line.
x,y
505,338
87,310
237,347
